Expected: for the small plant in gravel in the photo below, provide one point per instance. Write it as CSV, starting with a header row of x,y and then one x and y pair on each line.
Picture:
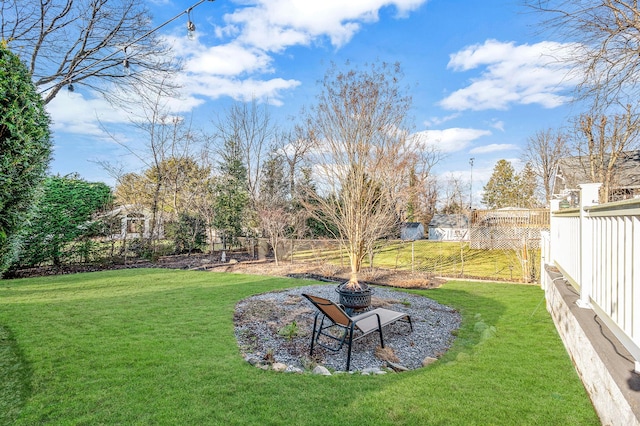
x,y
250,340
309,363
289,331
268,357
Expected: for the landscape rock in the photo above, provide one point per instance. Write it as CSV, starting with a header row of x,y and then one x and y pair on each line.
x,y
321,371
396,367
278,366
253,360
428,361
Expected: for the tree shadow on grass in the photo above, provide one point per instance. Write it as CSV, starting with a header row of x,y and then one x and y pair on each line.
x,y
15,377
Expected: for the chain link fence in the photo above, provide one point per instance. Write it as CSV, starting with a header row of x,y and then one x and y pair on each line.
x,y
499,258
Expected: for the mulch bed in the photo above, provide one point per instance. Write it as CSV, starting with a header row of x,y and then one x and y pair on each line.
x,y
244,263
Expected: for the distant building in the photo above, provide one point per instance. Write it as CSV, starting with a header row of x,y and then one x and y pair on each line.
x,y
449,227
132,222
572,171
410,231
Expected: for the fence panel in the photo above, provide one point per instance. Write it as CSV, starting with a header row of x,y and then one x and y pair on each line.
x,y
565,238
602,246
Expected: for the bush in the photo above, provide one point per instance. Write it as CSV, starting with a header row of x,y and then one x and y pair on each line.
x,y
188,234
25,150
61,223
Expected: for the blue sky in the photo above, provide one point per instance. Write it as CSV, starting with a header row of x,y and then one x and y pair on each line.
x,y
482,75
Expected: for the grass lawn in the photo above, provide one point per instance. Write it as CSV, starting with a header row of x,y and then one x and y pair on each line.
x,y
157,347
451,259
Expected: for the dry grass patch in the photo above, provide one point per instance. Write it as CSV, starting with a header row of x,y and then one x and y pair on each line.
x,y
386,354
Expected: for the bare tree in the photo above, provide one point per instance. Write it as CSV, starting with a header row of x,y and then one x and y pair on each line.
x,y
204,200
422,192
601,140
606,34
453,194
274,207
250,126
274,221
360,154
294,146
94,43
167,139
543,152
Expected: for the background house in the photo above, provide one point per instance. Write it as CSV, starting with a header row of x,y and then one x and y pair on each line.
x,y
574,170
130,221
410,231
449,227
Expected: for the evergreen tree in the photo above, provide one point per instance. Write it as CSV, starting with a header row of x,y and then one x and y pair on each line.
x,y
25,150
506,188
62,215
274,187
502,188
231,197
527,183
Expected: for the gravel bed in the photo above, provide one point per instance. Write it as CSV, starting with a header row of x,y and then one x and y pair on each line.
x,y
276,327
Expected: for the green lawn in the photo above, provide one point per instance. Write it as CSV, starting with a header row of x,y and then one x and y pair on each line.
x,y
449,259
157,347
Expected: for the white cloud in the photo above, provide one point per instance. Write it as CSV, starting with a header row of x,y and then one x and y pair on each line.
x,y
273,25
436,121
240,64
497,124
513,74
227,59
214,87
494,147
73,113
453,139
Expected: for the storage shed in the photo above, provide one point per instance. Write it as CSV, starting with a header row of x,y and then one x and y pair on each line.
x,y
410,231
449,227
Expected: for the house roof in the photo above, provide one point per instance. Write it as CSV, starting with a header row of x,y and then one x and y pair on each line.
x,y
411,225
449,221
572,171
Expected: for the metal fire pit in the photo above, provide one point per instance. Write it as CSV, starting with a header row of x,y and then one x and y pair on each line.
x,y
354,299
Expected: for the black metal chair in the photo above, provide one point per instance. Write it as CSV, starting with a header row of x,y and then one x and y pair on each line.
x,y
337,318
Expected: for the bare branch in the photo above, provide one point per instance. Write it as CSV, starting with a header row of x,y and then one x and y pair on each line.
x,y
609,35
76,41
543,152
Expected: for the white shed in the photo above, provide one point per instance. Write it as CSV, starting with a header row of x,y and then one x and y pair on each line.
x,y
449,227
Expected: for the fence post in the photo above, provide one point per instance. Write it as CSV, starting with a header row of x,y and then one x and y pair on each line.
x,y
588,197
554,205
413,256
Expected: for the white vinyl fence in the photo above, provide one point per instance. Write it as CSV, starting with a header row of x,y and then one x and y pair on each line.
x,y
596,248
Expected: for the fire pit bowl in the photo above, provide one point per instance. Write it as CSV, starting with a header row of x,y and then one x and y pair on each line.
x,y
354,299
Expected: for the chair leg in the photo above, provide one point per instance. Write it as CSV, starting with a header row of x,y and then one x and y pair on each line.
x,y
380,332
349,348
313,334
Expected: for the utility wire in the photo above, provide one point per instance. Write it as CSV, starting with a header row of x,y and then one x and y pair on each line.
x,y
70,77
